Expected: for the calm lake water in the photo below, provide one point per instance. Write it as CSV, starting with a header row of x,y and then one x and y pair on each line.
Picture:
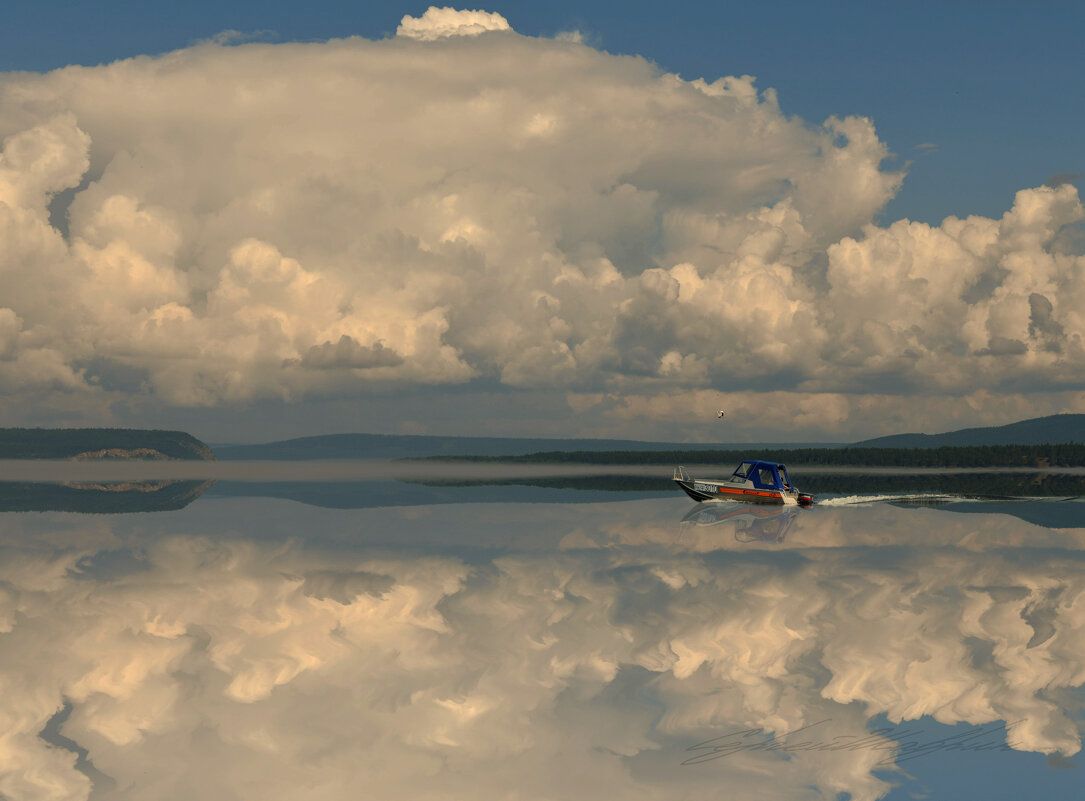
x,y
342,640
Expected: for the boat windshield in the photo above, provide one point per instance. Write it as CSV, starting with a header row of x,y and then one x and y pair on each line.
x,y
766,477
742,470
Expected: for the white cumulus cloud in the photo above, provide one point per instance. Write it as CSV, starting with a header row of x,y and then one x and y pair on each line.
x,y
438,23
527,212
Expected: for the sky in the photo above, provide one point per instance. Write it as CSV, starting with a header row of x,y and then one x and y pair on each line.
x,y
259,221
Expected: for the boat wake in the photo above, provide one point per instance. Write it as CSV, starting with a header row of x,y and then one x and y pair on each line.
x,y
937,498
915,498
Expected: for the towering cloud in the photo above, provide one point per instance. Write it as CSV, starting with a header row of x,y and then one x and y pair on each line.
x,y
462,203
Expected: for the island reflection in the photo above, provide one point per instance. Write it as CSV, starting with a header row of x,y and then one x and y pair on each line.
x,y
168,657
99,497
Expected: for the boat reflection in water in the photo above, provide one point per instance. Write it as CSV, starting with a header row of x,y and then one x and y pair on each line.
x,y
750,523
266,649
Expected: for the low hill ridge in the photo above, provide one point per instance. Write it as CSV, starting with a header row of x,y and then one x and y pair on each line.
x,y
127,443
1053,429
397,446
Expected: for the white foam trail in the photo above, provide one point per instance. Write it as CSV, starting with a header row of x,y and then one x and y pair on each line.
x,y
856,500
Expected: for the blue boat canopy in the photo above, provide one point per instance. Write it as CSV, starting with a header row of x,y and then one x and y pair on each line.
x,y
764,475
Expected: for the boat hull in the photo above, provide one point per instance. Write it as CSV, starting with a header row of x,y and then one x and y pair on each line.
x,y
754,481
714,491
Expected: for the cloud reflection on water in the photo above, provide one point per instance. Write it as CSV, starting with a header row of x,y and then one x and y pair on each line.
x,y
251,659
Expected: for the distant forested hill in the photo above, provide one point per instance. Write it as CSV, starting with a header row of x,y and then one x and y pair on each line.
x,y
1064,428
1057,428
100,443
398,446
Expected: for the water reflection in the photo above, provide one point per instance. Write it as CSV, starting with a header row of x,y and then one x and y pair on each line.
x,y
262,649
102,497
749,523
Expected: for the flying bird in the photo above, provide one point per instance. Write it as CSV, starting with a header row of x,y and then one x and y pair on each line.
x,y
719,413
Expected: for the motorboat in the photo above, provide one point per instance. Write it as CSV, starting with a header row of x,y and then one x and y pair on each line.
x,y
752,482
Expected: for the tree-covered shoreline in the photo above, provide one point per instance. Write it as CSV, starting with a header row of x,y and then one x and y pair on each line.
x,y
1039,456
980,484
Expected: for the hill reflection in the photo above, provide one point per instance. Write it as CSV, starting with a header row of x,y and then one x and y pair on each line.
x,y
99,497
268,650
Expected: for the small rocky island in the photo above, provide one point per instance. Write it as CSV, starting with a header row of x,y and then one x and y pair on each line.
x,y
101,443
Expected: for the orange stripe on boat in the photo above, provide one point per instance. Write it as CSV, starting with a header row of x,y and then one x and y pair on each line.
x,y
749,492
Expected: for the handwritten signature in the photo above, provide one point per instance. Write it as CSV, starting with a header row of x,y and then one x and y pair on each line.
x,y
903,744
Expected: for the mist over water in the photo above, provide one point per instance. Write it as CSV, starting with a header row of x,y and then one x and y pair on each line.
x,y
482,647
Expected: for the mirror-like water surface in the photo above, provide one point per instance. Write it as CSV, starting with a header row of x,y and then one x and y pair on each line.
x,y
257,647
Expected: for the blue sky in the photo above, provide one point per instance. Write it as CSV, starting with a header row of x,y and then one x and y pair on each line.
x,y
995,86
